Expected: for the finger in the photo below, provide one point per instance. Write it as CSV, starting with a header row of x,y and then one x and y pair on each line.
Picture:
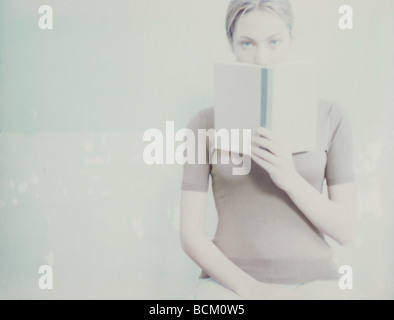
x,y
262,163
266,133
266,144
265,155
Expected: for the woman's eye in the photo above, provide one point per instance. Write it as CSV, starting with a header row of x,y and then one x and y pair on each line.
x,y
246,44
275,43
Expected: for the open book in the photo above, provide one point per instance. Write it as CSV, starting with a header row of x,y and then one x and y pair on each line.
x,y
281,98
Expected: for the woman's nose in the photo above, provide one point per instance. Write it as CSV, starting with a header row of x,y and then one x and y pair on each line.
x,y
262,57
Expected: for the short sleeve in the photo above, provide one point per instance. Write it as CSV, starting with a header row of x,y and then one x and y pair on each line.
x,y
196,176
339,167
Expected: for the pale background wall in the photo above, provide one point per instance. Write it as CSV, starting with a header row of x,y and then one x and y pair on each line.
x,y
75,101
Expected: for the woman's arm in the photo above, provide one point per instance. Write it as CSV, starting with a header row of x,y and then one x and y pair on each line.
x,y
205,253
334,216
202,250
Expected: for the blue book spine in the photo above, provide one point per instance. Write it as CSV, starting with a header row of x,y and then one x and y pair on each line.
x,y
266,98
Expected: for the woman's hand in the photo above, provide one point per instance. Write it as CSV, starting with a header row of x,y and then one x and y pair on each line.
x,y
270,154
334,216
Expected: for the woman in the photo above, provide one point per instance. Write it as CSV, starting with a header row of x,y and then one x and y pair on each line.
x,y
269,242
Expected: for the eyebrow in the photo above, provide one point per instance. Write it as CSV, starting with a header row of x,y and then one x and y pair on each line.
x,y
269,38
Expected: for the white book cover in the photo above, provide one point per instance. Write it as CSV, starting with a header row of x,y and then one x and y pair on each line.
x,y
281,98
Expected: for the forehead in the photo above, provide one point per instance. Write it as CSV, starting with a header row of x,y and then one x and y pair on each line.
x,y
259,24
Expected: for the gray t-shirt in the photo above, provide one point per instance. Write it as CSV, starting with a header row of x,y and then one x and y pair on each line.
x,y
259,227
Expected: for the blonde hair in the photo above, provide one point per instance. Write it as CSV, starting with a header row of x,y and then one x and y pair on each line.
x,y
238,8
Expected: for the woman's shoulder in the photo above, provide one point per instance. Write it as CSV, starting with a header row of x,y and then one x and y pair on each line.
x,y
202,119
331,112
